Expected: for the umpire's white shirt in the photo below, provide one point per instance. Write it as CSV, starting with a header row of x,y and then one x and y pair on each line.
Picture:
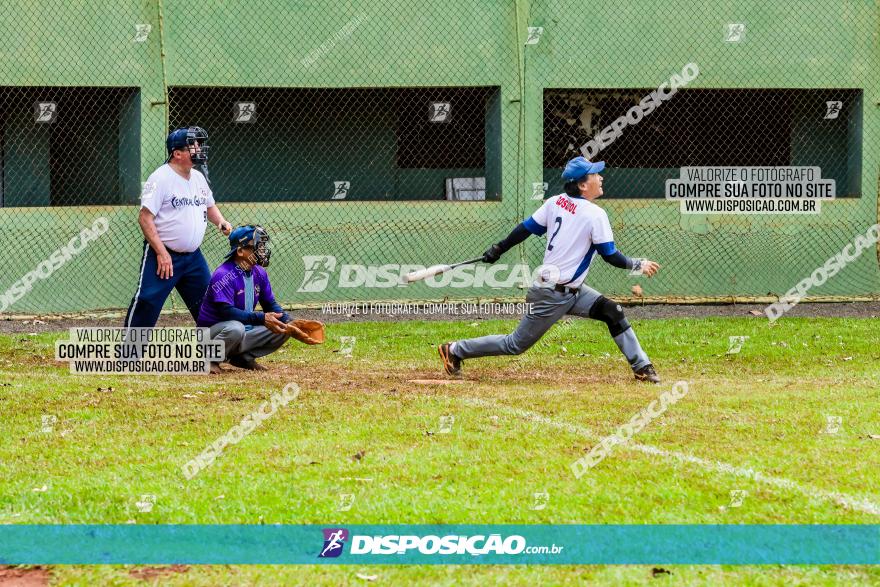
x,y
180,206
576,229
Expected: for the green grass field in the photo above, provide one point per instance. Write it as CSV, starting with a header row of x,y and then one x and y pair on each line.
x,y
763,421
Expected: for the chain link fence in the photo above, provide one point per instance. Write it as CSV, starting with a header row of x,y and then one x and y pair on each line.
x,y
369,138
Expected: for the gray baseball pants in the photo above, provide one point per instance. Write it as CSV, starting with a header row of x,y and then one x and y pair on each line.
x,y
547,307
249,344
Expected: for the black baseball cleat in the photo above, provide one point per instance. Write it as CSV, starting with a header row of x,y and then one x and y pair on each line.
x,y
242,363
647,373
451,363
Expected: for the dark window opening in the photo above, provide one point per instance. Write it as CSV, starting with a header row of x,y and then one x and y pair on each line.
x,y
698,127
69,146
441,127
299,144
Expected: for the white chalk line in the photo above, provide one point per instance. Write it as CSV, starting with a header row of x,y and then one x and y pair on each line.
x,y
861,504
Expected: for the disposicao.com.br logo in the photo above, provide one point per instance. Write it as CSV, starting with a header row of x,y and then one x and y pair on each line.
x,y
334,542
323,271
454,544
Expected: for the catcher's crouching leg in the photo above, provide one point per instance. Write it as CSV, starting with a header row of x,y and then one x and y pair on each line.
x,y
257,342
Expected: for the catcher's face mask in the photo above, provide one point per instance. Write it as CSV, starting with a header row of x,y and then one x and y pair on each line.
x,y
261,246
254,238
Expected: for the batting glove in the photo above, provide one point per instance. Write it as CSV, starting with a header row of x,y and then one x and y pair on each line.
x,y
492,254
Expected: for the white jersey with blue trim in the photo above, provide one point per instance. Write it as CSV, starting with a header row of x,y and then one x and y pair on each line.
x,y
180,207
576,229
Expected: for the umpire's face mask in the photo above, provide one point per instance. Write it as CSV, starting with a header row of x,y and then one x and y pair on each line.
x,y
197,145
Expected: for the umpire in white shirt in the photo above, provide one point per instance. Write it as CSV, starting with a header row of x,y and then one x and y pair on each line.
x,y
176,206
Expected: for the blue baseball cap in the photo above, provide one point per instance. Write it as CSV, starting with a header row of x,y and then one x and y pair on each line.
x,y
176,140
579,167
242,236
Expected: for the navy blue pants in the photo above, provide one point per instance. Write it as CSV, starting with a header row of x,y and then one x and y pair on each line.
x,y
191,278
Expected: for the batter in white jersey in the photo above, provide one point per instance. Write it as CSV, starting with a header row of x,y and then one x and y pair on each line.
x,y
576,230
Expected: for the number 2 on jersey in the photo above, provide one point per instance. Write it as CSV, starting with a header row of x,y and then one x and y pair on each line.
x,y
558,222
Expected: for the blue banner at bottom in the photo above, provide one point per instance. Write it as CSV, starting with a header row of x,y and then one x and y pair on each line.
x,y
440,544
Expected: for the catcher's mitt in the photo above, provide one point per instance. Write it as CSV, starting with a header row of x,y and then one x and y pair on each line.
x,y
307,331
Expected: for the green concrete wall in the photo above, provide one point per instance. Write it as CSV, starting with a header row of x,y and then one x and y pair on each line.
x,y
397,43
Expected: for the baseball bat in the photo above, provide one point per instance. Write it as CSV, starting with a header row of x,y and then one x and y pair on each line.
x,y
436,270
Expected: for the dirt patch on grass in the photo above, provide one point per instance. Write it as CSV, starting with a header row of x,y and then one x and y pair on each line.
x,y
335,378
37,576
153,573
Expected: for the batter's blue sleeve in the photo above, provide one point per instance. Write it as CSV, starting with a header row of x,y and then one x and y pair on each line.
x,y
516,236
533,227
619,260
